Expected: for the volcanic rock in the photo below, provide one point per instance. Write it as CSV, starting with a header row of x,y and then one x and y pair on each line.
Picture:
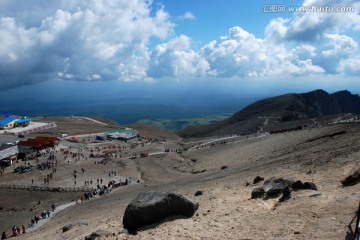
x,y
352,179
152,207
257,193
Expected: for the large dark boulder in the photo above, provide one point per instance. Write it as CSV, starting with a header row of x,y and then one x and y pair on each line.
x,y
257,193
152,207
352,179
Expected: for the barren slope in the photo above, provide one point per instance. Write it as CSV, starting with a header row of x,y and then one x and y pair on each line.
x,y
226,210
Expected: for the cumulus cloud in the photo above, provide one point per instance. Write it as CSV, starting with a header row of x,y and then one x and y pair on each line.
x,y
187,16
324,33
242,54
176,59
349,66
82,40
309,26
99,40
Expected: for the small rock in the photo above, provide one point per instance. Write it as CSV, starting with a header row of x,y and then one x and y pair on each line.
x,y
315,195
352,179
286,195
310,185
296,232
258,179
97,234
67,227
297,185
199,193
274,192
257,193
70,226
223,167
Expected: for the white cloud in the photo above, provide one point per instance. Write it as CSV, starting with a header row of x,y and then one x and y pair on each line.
x,y
242,54
349,66
339,45
94,40
176,59
310,26
80,40
187,16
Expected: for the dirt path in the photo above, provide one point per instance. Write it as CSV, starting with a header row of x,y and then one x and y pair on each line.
x,y
52,214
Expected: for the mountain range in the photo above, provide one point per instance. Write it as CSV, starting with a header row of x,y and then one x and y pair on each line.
x,y
279,111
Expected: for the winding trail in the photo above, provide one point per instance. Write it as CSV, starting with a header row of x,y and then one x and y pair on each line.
x,y
43,221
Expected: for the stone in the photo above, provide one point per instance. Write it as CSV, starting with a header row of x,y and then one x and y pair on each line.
x,y
275,186
274,192
310,185
70,226
257,193
277,182
258,179
199,193
286,194
97,234
152,207
352,179
297,185
223,167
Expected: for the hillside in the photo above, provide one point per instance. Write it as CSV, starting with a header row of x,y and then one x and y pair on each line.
x,y
226,209
279,111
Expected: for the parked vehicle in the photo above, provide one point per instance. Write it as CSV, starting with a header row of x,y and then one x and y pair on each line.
x,y
64,135
23,169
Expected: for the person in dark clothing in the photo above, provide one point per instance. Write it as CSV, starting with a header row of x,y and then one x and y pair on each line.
x,y
3,235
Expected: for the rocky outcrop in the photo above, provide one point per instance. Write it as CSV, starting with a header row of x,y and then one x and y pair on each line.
x,y
152,207
351,179
274,187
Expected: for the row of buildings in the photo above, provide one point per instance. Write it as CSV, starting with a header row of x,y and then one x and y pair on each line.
x,y
25,150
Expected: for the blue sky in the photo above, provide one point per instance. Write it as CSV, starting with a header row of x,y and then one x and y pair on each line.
x,y
78,49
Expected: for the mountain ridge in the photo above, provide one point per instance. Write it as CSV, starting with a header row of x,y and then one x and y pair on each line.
x,y
280,109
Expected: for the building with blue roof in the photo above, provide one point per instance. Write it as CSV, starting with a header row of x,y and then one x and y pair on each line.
x,y
8,123
23,122
11,122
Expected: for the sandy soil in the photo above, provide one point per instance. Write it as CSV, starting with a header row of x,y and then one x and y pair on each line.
x,y
226,210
